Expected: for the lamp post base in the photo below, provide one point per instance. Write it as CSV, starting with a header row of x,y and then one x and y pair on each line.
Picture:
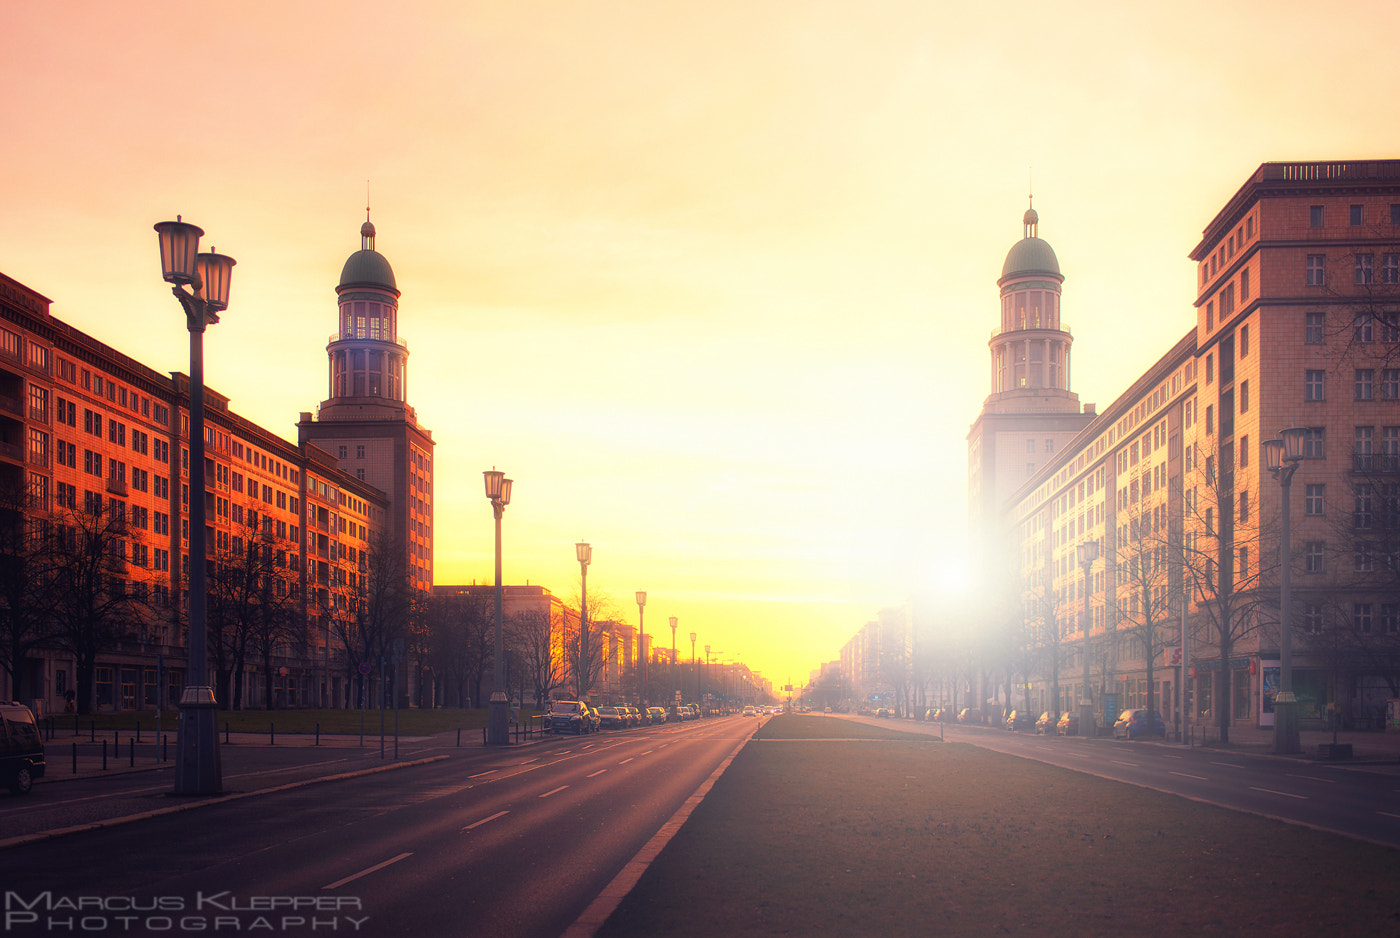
x,y
1286,742
498,720
197,767
1086,720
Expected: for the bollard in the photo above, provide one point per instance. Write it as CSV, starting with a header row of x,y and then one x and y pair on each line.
x,y
165,748
318,734
116,742
104,755
459,737
138,731
272,734
131,752
75,758
225,732
92,731
483,736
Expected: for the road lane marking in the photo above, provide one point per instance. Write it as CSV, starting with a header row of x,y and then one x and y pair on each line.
x,y
554,792
1133,764
1198,777
378,866
1388,814
1314,778
484,820
1285,794
528,761
599,772
1228,765
627,760
648,752
480,774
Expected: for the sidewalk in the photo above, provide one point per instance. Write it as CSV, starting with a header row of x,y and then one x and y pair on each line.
x,y
1368,747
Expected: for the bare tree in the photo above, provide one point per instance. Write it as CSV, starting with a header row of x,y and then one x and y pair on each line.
x,y
25,623
537,644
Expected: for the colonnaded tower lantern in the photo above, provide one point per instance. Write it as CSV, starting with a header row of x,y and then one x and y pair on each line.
x,y
366,423
1031,411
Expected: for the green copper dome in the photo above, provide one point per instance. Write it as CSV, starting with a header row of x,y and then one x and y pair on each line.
x,y
1030,256
366,268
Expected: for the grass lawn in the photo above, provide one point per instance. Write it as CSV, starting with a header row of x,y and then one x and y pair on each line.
x,y
904,835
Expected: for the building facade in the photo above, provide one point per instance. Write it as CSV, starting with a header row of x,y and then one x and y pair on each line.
x,y
1297,324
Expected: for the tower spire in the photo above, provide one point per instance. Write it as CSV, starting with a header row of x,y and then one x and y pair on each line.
x,y
367,229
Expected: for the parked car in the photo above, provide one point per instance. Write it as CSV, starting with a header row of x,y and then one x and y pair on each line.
x,y
1046,724
634,715
750,712
21,748
1136,724
594,719
656,715
1068,724
612,718
943,715
968,715
1018,720
570,716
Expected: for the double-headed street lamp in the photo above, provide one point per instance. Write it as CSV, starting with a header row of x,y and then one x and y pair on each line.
x,y
1281,457
707,678
1088,553
692,664
498,717
197,766
674,686
641,647
585,557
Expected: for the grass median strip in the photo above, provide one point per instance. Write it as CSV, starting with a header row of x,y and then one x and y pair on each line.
x,y
907,838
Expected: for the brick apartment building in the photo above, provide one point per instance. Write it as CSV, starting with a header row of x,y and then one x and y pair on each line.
x,y
1297,325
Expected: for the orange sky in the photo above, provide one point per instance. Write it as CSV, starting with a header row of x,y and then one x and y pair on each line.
x,y
712,282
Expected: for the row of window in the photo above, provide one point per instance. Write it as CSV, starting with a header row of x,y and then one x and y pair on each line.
x,y
1363,271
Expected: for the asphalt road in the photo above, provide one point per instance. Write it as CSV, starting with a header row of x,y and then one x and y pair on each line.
x,y
486,842
1351,801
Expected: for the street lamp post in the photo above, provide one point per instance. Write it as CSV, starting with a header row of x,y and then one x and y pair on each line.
x,y
674,686
585,557
498,717
1281,457
197,765
703,708
692,664
1088,553
641,647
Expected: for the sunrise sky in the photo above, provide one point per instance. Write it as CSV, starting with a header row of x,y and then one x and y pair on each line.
x,y
712,282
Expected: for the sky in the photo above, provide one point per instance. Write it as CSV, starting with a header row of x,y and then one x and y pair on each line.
x,y
712,282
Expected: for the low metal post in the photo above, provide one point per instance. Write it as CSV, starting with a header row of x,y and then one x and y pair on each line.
x,y
104,755
131,752
459,737
164,748
318,734
272,734
75,758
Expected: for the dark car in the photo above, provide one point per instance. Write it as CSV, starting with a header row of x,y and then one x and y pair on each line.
x,y
1045,726
968,715
1018,720
570,716
21,749
656,715
1136,724
612,718
1068,724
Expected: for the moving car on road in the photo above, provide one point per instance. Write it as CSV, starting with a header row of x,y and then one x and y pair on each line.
x,y
21,748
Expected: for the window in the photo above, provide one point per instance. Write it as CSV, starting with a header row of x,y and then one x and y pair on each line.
x,y
341,452
1395,214
1365,384
1361,613
1364,268
359,452
1390,268
1210,368
1354,215
1315,216
1244,330
1244,284
1314,443
1317,270
1314,330
1313,500
92,462
1390,384
1244,397
1244,562
1244,506
1314,554
1364,328
1312,619
1313,385
1390,618
38,447
1363,512
1244,452
1210,419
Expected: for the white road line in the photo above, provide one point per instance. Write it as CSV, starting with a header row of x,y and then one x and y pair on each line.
x,y
1285,794
378,866
1228,765
599,772
1388,814
1198,777
627,760
648,752
554,792
1314,778
1133,764
528,761
480,774
484,820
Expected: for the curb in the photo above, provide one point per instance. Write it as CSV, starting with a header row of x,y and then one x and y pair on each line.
x,y
203,803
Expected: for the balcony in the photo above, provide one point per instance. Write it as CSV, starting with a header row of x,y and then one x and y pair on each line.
x,y
1375,463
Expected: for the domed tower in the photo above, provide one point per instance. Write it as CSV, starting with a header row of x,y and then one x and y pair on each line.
x,y
1030,350
366,424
